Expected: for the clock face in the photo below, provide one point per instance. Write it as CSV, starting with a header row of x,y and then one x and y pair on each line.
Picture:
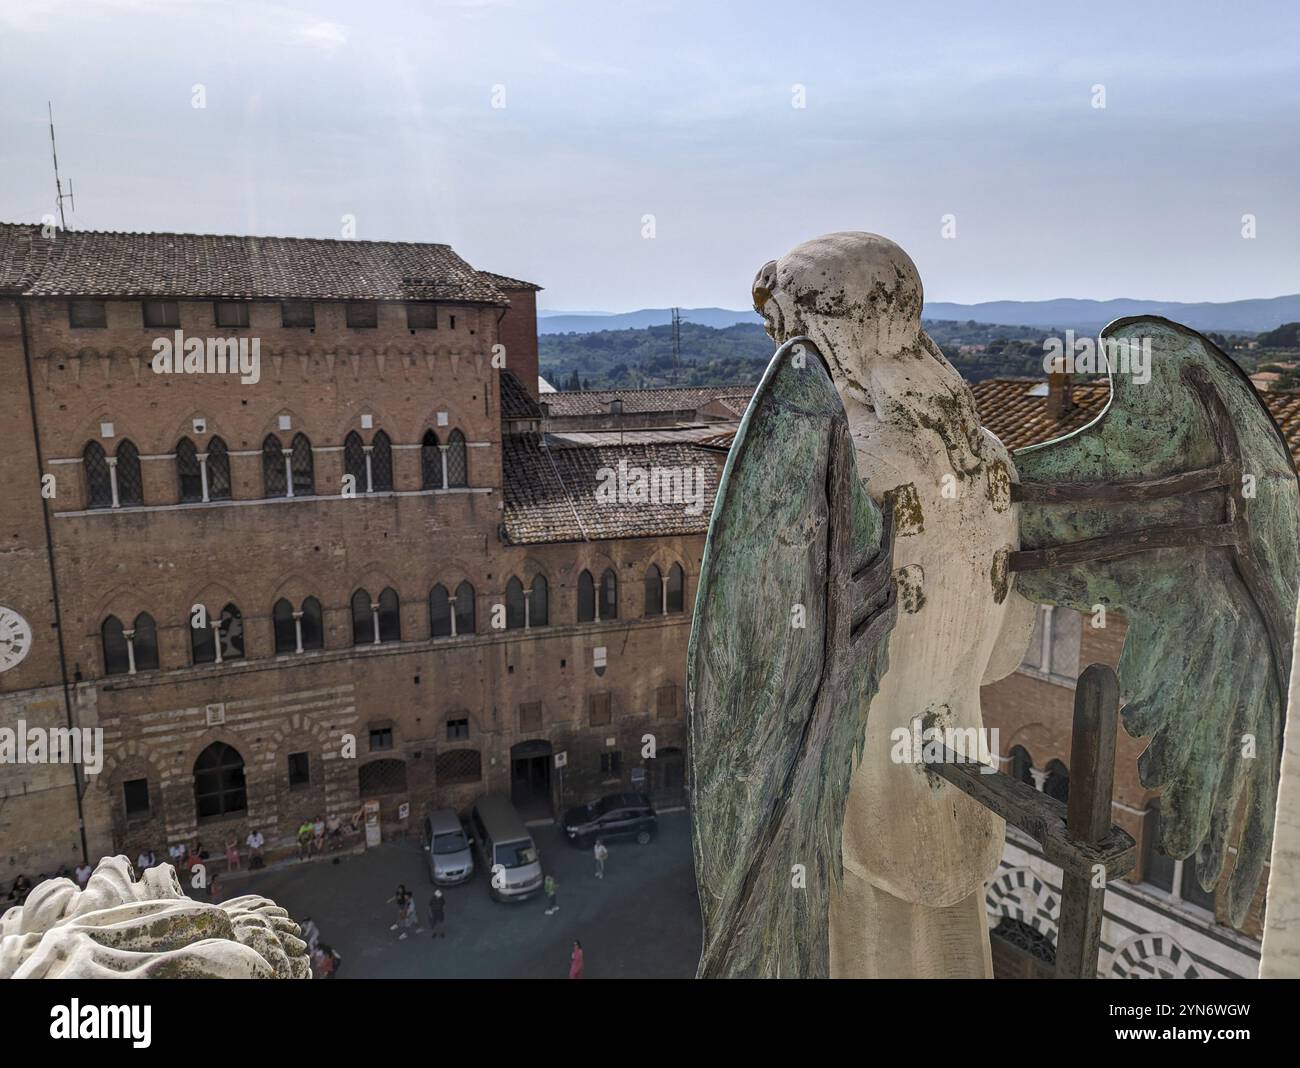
x,y
15,638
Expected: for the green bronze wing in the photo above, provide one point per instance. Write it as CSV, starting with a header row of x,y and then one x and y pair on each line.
x,y
794,604
1179,506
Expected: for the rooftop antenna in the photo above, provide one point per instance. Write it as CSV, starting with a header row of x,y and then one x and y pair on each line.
x,y
60,195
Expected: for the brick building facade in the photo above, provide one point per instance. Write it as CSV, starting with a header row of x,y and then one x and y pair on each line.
x,y
366,575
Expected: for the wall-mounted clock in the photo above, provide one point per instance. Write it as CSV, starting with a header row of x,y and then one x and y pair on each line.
x,y
15,638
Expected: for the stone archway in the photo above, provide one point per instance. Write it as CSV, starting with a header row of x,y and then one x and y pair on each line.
x,y
1151,956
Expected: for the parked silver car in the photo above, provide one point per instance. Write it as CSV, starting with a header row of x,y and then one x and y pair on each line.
x,y
450,858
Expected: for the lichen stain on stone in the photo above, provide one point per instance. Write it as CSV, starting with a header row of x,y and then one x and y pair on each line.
x,y
910,581
908,517
1000,575
999,486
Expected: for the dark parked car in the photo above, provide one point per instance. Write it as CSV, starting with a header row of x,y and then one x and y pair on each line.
x,y
613,816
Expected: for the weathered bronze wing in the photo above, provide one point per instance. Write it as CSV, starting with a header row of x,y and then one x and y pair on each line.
x,y
1179,506
794,603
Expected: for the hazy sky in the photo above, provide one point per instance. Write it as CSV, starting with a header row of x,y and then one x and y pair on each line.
x,y
684,111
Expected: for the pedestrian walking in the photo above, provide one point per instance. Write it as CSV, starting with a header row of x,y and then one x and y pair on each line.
x,y
305,831
600,853
310,933
549,887
405,902
575,961
437,914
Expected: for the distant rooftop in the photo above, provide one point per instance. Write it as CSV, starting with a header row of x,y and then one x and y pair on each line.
x,y
88,263
731,400
551,490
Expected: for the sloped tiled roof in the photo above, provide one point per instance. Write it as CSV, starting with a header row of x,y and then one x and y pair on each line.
x,y
596,401
1015,409
1284,406
205,266
1019,417
551,491
692,433
503,281
22,253
516,403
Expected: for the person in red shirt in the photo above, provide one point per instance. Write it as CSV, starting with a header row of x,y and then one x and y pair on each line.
x,y
575,961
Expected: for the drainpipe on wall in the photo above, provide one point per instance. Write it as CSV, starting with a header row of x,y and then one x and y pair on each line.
x,y
78,779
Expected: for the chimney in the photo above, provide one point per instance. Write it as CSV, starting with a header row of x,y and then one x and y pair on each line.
x,y
1060,401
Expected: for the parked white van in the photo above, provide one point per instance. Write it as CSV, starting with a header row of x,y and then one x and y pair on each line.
x,y
506,849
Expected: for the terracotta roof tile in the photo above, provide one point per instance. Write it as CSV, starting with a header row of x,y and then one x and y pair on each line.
x,y
597,401
551,490
1015,409
516,403
503,281
81,263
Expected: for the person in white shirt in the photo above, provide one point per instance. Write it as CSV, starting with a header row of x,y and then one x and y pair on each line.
x,y
83,875
254,842
600,852
145,860
177,853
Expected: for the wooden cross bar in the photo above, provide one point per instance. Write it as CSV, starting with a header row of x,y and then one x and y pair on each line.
x,y
1078,838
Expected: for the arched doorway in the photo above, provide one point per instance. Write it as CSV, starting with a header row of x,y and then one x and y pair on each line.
x,y
668,778
1021,951
219,782
530,778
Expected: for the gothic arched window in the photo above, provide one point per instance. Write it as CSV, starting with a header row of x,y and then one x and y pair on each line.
x,y
354,461
609,595
304,475
219,781
187,471
457,462
390,616
381,463
274,483
676,593
218,471
363,620
430,462
145,642
116,659
130,481
465,621
654,592
586,598
539,608
514,604
439,612
99,485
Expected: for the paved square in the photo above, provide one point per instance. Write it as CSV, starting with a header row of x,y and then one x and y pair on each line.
x,y
641,921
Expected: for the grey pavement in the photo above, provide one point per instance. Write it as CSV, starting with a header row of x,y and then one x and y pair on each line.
x,y
641,921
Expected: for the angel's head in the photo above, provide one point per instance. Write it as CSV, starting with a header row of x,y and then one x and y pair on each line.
x,y
857,295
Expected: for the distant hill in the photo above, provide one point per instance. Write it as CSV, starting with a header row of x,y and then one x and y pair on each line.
x,y
1286,336
562,322
737,354
1236,316
1251,316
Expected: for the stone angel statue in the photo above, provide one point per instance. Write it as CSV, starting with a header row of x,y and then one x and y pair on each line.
x,y
875,555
